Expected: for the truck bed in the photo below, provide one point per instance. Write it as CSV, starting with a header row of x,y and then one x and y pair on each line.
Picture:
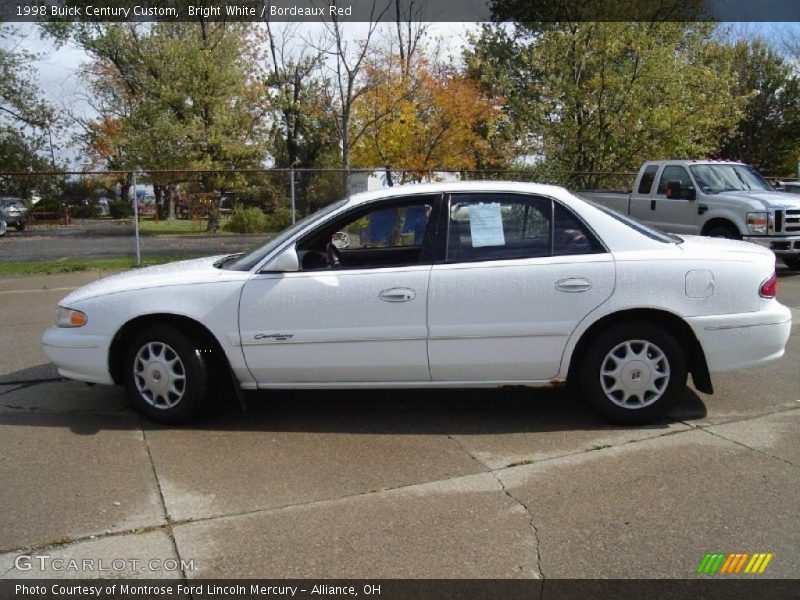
x,y
616,201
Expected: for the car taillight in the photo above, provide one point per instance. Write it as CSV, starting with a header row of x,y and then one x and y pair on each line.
x,y
769,288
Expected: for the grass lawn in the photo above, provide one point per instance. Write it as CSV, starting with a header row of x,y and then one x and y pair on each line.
x,y
71,265
175,226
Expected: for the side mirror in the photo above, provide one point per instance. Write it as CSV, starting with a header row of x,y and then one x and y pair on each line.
x,y
677,191
285,262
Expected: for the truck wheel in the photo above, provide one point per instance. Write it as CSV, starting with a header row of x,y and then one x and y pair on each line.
x,y
633,372
792,261
723,230
165,375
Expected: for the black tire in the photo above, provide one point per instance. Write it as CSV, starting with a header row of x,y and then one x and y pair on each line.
x,y
156,404
792,261
19,226
635,374
723,230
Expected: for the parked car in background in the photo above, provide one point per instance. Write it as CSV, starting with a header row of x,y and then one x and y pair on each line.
x,y
3,228
480,284
14,212
712,198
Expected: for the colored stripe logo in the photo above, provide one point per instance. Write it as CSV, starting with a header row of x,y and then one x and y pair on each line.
x,y
737,562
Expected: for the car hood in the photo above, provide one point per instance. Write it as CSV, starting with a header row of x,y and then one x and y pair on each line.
x,y
185,272
701,244
765,199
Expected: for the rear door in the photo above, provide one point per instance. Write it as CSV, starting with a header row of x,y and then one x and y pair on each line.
x,y
518,274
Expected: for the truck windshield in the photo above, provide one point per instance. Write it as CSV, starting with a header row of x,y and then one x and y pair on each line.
x,y
247,261
713,179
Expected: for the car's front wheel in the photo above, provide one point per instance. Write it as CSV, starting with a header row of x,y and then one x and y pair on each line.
x,y
633,372
166,375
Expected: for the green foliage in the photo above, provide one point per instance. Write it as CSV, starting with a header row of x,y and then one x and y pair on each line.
x,y
588,97
84,211
768,134
120,209
247,220
280,219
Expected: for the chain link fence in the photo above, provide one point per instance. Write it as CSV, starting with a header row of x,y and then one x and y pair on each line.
x,y
154,216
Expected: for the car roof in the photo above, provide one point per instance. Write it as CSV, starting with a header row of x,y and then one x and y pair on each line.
x,y
458,186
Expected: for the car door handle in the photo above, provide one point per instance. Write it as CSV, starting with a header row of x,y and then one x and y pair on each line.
x,y
397,295
574,284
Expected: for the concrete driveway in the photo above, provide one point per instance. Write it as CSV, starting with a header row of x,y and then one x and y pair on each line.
x,y
472,484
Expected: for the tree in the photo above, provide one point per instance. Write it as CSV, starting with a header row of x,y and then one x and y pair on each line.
x,y
25,120
304,133
177,95
436,123
342,70
768,134
587,97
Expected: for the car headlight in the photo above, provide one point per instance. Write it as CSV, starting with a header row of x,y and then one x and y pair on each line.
x,y
68,317
758,222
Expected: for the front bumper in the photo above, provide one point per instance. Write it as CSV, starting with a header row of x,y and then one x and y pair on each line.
x,y
741,341
779,244
77,355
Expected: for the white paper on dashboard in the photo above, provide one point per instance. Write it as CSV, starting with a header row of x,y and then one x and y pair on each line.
x,y
486,225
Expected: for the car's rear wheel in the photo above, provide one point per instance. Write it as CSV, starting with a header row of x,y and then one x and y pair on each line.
x,y
792,261
632,373
166,375
19,226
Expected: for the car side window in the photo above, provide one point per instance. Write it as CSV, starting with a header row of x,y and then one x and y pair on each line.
x,y
571,236
396,227
648,177
673,173
498,227
392,234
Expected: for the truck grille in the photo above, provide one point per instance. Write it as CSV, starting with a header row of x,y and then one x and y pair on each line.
x,y
792,221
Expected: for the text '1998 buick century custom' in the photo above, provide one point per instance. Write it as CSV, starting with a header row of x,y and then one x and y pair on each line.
x,y
432,286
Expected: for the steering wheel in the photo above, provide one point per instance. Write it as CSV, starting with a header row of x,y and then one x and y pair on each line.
x,y
334,256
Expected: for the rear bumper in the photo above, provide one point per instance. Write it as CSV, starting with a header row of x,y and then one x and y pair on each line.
x,y
742,341
779,244
78,356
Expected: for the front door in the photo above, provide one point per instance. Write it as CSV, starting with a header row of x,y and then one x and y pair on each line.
x,y
355,312
520,273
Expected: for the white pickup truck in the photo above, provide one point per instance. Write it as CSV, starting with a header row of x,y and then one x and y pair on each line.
x,y
713,198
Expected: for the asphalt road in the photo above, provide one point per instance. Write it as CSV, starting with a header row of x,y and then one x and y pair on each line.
x,y
114,239
475,484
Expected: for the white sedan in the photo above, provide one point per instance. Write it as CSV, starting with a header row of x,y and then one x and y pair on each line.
x,y
434,286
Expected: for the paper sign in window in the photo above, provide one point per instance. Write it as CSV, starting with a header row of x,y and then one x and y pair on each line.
x,y
486,225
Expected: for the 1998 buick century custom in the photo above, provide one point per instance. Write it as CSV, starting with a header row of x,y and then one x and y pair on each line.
x,y
431,286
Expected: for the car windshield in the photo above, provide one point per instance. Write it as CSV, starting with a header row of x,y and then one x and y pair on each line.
x,y
713,179
653,234
249,260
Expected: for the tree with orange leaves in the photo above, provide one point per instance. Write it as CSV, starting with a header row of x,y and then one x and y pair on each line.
x,y
425,117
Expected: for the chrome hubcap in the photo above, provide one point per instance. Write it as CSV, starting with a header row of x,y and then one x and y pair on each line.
x,y
159,375
634,374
